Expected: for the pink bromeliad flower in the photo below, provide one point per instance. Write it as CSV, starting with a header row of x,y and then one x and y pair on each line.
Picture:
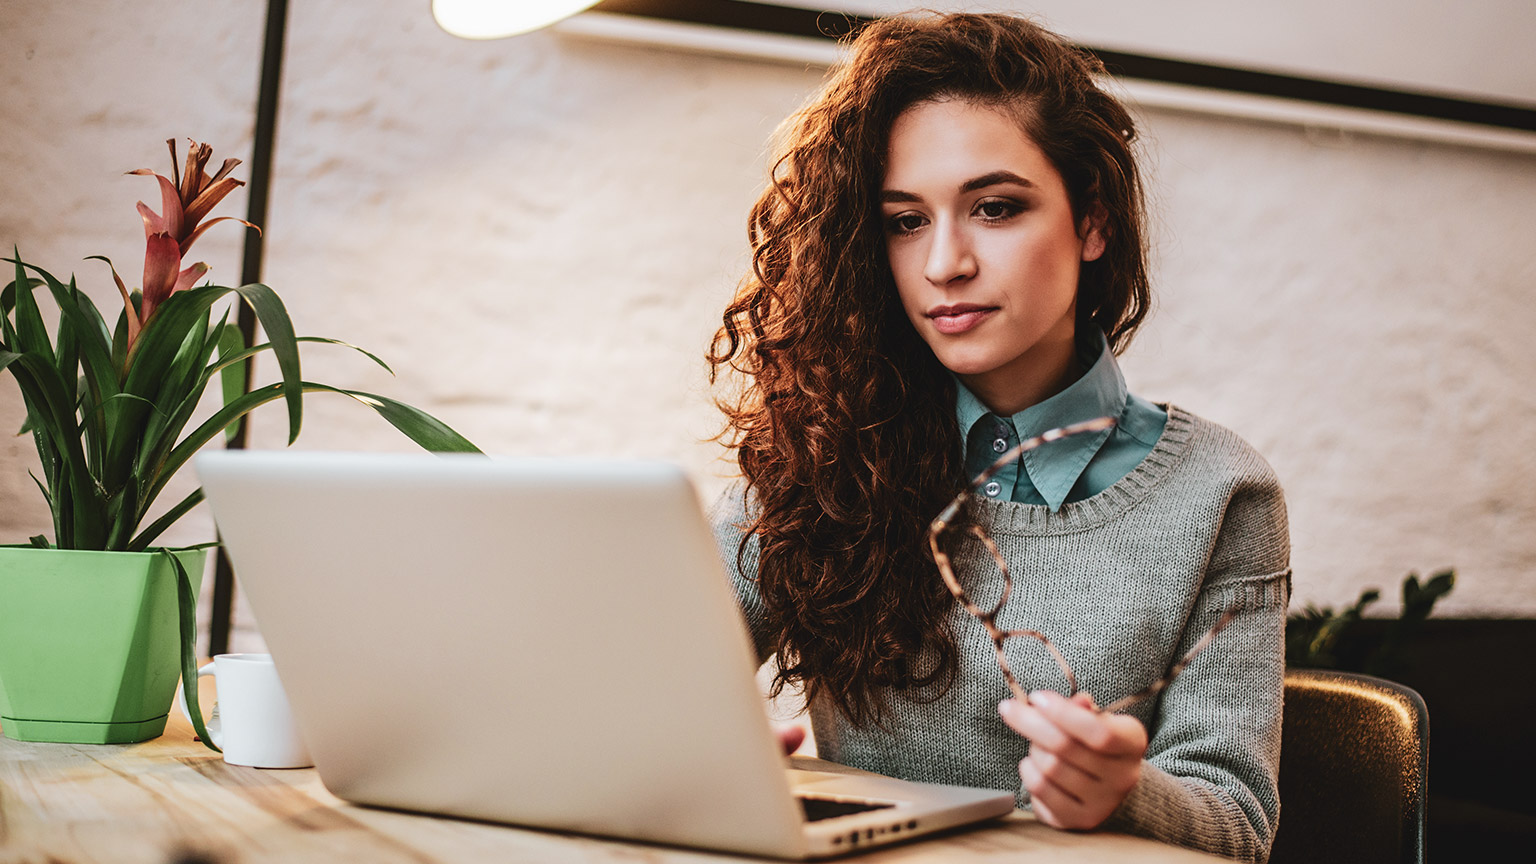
x,y
185,198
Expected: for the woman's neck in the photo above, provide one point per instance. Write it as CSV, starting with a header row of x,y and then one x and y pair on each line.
x,y
1029,380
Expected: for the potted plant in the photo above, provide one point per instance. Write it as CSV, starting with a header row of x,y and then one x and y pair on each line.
x,y
1320,638
96,625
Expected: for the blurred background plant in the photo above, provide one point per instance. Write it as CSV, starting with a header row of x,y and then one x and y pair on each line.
x,y
1321,638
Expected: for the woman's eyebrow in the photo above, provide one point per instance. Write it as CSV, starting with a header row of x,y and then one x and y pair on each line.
x,y
991,178
995,178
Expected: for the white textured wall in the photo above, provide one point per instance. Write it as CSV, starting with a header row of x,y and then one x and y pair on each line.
x,y
1480,48
540,233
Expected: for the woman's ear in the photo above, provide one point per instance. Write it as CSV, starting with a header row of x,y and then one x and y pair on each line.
x,y
1094,230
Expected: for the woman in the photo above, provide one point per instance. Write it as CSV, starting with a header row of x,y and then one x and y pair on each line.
x,y
947,261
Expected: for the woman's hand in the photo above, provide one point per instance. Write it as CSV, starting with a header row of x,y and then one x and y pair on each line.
x,y
1081,763
790,738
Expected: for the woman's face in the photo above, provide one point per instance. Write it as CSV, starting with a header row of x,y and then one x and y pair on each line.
x,y
985,250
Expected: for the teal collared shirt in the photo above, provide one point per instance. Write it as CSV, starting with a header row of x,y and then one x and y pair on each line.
x,y
1073,468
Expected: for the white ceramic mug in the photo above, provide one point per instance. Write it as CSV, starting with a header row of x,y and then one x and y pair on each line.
x,y
252,722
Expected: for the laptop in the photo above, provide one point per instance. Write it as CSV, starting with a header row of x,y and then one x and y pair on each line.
x,y
547,643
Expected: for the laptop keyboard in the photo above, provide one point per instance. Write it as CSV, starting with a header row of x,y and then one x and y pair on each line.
x,y
817,809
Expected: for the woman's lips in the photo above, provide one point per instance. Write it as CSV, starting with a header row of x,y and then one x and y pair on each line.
x,y
951,320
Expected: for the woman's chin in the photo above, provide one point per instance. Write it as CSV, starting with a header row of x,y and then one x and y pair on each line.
x,y
968,366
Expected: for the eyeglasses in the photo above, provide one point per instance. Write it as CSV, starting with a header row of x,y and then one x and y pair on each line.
x,y
988,618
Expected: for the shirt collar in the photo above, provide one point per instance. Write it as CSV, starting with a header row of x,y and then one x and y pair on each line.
x,y
1055,468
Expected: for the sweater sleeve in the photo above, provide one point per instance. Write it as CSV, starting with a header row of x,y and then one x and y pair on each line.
x,y
1209,780
728,518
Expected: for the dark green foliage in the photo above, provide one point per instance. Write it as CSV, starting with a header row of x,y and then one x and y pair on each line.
x,y
1315,637
110,421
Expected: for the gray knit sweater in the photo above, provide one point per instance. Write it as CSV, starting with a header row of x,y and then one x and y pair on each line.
x,y
1123,582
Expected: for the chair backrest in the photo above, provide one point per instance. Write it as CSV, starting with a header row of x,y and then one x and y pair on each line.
x,y
1353,770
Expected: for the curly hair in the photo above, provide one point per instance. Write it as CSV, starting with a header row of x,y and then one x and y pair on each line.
x,y
844,426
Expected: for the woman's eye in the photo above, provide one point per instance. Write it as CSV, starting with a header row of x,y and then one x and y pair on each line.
x,y
904,223
997,210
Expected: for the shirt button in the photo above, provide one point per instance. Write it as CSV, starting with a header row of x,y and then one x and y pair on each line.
x,y
999,446
993,488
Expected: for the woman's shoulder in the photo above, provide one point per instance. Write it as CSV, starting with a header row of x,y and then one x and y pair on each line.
x,y
1206,447
731,505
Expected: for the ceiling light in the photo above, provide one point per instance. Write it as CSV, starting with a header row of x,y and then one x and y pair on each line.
x,y
493,19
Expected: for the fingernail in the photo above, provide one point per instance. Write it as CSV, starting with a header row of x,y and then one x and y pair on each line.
x,y
1007,707
1044,697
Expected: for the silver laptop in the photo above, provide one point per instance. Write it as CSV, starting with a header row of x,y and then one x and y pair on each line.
x,y
544,643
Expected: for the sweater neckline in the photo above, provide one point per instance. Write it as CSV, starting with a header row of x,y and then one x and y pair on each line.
x,y
1171,448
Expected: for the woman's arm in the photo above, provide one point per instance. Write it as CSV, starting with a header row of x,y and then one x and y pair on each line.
x,y
1206,775
1210,775
728,518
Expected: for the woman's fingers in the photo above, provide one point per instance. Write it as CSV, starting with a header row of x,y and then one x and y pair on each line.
x,y
790,738
1030,722
1055,805
1081,763
1041,789
1109,734
1059,771
1043,811
1047,736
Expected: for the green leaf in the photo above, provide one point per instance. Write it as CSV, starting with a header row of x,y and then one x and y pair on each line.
x,y
35,269
1442,583
59,449
267,346
1367,597
186,619
38,541
8,297
179,313
123,513
232,379
419,426
279,329
79,315
160,438
231,367
150,362
67,358
148,535
180,389
47,496
120,345
1419,601
31,336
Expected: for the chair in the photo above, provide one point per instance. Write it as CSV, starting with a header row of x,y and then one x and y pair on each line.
x,y
1353,770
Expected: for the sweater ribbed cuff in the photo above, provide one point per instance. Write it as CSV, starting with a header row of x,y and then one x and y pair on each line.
x,y
1185,812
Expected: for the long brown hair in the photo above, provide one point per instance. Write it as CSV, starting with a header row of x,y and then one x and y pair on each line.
x,y
844,427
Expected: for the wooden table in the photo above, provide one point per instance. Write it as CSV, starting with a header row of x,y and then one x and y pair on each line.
x,y
171,799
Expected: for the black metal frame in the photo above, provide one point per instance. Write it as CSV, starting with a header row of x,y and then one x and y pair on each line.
x,y
794,21
221,611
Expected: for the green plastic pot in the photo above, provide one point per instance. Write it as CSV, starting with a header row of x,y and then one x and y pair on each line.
x,y
89,643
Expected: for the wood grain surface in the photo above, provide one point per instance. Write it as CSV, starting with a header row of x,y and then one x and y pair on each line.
x,y
173,800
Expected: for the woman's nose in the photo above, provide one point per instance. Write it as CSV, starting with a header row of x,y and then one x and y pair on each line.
x,y
950,256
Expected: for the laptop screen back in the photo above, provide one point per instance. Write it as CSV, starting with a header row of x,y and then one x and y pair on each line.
x,y
550,643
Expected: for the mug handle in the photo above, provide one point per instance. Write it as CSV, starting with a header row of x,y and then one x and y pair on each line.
x,y
212,725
